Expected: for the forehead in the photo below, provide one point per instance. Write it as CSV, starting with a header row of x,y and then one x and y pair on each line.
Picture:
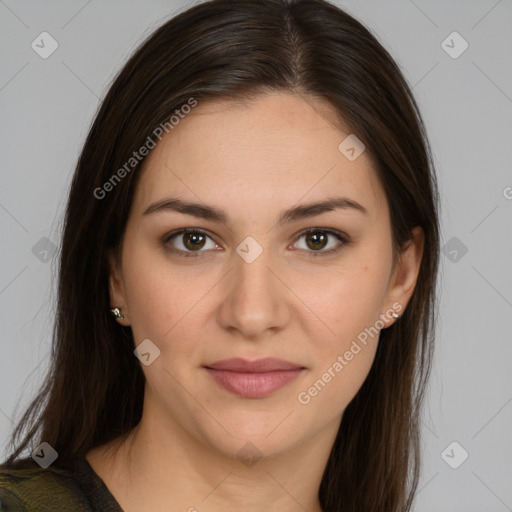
x,y
275,147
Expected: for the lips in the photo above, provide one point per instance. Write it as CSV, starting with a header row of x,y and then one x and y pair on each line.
x,y
253,379
268,364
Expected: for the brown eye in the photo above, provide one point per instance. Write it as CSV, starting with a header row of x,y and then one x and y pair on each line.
x,y
186,242
316,240
193,240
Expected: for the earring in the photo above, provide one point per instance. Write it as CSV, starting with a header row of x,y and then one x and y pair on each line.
x,y
117,312
395,315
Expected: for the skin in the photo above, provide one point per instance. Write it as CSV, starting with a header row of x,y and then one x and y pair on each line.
x,y
253,160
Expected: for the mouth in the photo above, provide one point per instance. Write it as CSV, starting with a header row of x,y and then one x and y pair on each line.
x,y
253,379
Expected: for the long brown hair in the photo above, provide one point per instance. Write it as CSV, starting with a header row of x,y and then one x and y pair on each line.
x,y
224,49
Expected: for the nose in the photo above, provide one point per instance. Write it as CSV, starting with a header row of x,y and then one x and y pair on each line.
x,y
257,300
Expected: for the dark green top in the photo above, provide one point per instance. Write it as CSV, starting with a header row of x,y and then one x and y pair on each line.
x,y
34,489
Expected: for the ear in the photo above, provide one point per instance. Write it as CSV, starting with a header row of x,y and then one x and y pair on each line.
x,y
116,289
405,274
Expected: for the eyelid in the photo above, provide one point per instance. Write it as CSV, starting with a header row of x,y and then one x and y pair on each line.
x,y
342,237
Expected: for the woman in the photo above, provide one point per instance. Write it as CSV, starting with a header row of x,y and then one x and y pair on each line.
x,y
247,281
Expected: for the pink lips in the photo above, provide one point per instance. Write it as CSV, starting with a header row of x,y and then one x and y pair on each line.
x,y
253,379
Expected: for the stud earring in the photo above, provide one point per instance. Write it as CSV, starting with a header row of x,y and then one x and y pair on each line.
x,y
117,312
395,315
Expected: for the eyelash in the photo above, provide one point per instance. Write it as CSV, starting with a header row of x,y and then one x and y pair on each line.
x,y
344,239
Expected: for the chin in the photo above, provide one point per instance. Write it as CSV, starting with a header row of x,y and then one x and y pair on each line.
x,y
254,437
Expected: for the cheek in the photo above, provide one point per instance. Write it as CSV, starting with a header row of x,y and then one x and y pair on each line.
x,y
166,305
344,353
155,296
346,343
350,298
330,390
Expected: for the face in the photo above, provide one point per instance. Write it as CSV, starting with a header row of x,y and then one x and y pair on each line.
x,y
256,284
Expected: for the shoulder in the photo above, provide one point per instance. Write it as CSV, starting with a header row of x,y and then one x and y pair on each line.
x,y
28,487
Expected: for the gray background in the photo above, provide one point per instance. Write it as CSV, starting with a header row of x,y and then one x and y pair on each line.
x,y
46,108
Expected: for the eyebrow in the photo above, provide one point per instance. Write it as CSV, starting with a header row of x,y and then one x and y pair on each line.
x,y
211,213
